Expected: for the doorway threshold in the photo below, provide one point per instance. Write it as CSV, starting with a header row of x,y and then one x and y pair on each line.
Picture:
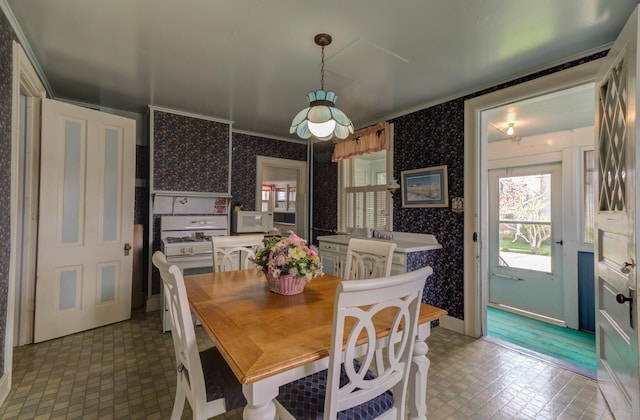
x,y
563,364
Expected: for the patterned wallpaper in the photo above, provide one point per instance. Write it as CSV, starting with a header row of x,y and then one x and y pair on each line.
x,y
430,137
243,163
325,180
6,78
190,154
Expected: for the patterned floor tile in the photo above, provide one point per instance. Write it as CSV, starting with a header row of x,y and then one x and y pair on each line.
x,y
125,370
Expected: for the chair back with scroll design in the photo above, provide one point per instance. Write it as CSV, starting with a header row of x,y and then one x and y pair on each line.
x,y
202,376
233,252
363,308
367,259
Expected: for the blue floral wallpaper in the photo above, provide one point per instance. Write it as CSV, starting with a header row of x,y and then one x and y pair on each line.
x,y
243,163
190,154
6,79
430,137
325,196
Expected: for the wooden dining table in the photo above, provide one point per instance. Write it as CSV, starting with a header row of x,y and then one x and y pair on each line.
x,y
269,340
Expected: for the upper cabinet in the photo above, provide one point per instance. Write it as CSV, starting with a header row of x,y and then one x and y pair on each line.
x,y
189,153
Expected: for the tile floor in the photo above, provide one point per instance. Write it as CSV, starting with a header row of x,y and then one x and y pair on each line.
x,y
126,370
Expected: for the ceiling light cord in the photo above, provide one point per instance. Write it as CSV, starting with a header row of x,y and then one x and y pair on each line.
x,y
322,68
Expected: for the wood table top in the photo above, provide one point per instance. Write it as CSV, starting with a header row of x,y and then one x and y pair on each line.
x,y
261,333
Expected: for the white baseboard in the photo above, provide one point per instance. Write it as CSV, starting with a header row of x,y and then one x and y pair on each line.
x,y
153,303
5,386
453,324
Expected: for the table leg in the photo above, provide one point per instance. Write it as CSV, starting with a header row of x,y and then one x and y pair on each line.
x,y
260,404
418,376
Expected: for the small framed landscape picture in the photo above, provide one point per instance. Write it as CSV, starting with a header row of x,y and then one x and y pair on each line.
x,y
426,187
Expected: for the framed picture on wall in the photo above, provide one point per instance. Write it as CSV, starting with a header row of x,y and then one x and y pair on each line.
x,y
426,187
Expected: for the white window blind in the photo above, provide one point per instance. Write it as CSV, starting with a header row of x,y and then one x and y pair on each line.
x,y
366,207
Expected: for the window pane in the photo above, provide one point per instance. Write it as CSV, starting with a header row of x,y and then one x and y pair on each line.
x,y
525,222
589,205
517,252
367,169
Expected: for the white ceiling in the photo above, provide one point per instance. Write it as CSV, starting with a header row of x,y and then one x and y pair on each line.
x,y
563,110
253,61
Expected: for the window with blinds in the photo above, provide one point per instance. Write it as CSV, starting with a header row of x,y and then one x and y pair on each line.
x,y
366,203
366,207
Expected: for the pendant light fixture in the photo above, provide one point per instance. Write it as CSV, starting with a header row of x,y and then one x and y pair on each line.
x,y
321,118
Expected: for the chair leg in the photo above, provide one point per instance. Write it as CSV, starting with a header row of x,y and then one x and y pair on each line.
x,y
178,403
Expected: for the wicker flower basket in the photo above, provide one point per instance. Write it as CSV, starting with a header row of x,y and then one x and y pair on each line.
x,y
286,284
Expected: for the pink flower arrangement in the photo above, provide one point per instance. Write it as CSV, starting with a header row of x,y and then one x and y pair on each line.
x,y
287,255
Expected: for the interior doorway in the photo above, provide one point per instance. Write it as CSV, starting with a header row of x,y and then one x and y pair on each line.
x,y
28,93
288,179
477,133
527,136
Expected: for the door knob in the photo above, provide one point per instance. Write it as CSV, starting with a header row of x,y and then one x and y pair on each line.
x,y
127,248
620,298
626,267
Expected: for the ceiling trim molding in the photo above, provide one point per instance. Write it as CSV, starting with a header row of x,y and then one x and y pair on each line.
x,y
269,136
189,114
22,39
471,91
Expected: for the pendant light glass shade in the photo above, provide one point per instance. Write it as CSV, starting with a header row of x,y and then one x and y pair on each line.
x,y
321,118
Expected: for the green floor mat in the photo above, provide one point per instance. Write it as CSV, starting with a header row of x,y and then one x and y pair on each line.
x,y
574,347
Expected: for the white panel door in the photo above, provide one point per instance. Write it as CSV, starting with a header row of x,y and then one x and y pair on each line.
x,y
616,234
86,220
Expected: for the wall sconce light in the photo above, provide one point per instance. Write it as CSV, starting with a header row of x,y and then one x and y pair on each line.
x,y
394,188
321,118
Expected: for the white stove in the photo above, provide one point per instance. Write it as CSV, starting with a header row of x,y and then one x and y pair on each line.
x,y
186,242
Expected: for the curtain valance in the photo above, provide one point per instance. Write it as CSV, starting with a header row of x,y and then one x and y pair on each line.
x,y
366,140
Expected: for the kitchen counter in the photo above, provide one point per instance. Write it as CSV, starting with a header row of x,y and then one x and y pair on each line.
x,y
406,242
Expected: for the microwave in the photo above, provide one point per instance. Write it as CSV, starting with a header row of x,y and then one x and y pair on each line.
x,y
251,221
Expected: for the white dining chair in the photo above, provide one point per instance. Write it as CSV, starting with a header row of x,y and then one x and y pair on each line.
x,y
203,377
234,252
367,259
349,386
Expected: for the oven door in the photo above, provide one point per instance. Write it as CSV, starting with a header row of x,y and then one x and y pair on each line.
x,y
187,263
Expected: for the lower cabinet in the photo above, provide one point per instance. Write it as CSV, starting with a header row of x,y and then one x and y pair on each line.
x,y
333,258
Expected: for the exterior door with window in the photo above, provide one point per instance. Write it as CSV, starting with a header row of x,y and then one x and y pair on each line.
x,y
616,230
525,253
86,220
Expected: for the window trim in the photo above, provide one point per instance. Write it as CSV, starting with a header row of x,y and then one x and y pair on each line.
x,y
581,151
345,173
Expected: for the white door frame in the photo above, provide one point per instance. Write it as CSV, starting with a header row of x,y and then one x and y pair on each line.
x,y
475,181
302,215
26,81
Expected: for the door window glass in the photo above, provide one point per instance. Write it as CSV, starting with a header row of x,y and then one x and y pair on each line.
x,y
525,222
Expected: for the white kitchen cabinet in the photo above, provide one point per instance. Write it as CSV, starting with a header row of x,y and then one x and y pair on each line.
x,y
332,256
398,263
333,251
